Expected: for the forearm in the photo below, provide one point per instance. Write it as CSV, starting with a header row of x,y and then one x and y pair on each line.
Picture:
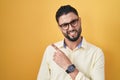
x,y
77,75
74,74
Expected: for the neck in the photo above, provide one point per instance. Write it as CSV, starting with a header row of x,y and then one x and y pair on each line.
x,y
72,44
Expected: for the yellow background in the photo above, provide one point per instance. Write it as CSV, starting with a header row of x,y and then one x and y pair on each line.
x,y
28,26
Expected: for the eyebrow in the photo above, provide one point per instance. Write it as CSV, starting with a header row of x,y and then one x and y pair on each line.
x,y
69,22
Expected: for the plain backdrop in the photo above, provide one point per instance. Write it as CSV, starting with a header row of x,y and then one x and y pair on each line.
x,y
27,27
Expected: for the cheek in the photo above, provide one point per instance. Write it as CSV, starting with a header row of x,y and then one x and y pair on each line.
x,y
78,28
63,31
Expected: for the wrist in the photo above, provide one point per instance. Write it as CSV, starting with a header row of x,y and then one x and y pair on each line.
x,y
74,74
70,68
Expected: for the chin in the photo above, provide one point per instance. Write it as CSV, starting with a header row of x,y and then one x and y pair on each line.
x,y
73,39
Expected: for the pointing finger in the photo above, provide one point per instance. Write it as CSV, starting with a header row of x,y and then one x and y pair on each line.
x,y
56,48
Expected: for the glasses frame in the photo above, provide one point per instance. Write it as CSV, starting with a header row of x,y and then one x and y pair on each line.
x,y
73,23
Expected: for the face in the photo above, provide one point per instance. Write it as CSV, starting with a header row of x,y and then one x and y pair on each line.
x,y
70,25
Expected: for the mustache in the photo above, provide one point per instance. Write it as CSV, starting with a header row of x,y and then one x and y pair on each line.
x,y
72,31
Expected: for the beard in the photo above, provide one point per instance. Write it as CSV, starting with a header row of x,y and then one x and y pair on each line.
x,y
73,38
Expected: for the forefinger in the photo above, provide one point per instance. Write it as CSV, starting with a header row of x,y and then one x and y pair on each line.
x,y
56,48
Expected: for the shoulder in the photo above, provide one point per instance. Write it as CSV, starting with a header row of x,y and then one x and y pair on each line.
x,y
49,51
92,48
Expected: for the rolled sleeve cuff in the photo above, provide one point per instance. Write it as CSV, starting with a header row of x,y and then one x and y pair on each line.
x,y
80,76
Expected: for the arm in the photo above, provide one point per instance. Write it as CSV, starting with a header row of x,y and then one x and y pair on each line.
x,y
44,71
98,68
63,61
97,71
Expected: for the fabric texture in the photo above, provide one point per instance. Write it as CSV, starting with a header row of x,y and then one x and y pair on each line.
x,y
87,58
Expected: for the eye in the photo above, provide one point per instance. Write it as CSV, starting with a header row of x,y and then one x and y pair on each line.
x,y
73,22
64,25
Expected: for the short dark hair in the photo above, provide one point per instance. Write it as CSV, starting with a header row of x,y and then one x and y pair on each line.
x,y
65,10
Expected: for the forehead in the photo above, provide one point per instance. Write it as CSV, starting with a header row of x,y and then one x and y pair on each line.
x,y
65,18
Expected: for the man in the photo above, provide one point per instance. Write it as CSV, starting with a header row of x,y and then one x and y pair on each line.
x,y
72,58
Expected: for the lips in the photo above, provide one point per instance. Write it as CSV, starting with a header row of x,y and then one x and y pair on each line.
x,y
73,33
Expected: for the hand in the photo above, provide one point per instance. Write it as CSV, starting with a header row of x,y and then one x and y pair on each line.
x,y
60,58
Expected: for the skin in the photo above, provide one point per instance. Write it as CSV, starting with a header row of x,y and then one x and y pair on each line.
x,y
59,57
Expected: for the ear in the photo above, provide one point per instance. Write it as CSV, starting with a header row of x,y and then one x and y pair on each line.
x,y
60,28
80,20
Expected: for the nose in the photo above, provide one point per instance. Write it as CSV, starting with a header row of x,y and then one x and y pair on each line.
x,y
70,27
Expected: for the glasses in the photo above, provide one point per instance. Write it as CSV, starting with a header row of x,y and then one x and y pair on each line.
x,y
73,23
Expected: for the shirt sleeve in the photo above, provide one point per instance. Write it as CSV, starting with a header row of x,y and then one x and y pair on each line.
x,y
98,69
97,72
81,76
44,72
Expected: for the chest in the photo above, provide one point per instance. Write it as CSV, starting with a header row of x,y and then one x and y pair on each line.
x,y
82,59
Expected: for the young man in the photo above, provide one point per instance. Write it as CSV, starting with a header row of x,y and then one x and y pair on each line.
x,y
72,58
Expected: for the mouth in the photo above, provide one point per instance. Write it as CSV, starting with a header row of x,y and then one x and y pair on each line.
x,y
72,33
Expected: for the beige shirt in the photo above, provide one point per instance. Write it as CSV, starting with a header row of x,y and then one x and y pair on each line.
x,y
87,58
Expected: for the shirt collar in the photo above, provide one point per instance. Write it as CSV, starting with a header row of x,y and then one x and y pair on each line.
x,y
82,44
